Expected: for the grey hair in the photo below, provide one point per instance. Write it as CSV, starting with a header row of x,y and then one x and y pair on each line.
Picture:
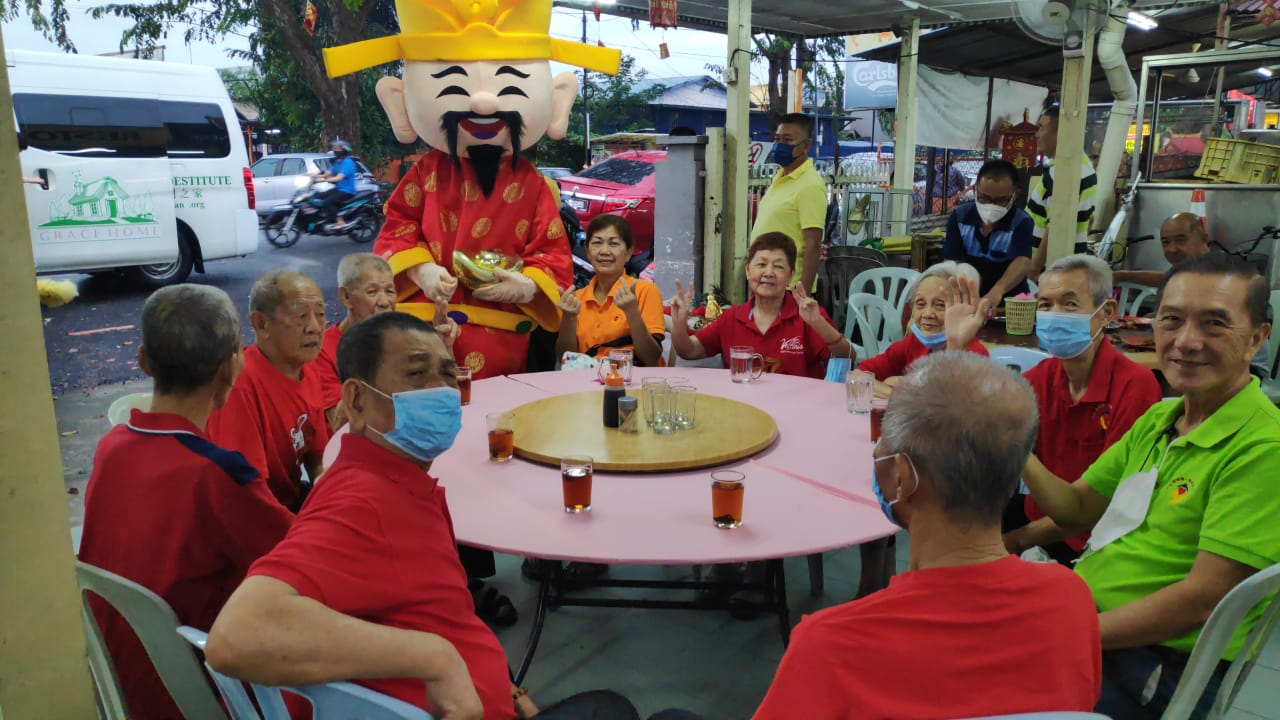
x,y
188,331
267,293
1100,278
968,425
946,270
351,268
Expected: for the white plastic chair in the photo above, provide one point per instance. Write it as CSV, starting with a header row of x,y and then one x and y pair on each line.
x,y
888,283
118,413
1018,358
1131,296
1235,606
330,701
154,622
879,324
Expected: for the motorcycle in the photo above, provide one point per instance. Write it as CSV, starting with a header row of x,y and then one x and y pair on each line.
x,y
361,214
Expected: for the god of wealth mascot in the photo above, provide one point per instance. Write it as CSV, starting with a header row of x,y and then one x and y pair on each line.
x,y
473,223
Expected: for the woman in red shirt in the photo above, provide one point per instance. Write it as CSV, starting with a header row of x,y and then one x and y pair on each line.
x,y
928,303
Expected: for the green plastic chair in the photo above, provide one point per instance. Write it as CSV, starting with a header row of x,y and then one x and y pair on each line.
x,y
155,624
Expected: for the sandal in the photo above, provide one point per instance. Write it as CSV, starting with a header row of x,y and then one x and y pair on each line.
x,y
584,571
491,606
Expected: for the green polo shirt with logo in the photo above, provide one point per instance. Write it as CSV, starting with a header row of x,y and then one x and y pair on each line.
x,y
1218,491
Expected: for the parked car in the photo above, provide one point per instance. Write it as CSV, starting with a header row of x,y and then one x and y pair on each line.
x,y
555,173
277,177
622,184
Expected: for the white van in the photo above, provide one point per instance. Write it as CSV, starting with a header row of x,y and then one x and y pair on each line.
x,y
144,164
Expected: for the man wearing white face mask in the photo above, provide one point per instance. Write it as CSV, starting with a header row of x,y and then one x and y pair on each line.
x,y
992,235
1089,393
956,434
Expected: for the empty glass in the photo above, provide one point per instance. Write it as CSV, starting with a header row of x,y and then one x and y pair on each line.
x,y
859,390
685,402
623,361
662,398
646,390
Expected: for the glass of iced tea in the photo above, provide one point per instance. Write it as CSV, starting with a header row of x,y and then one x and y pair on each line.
x,y
575,478
727,490
877,416
464,384
502,438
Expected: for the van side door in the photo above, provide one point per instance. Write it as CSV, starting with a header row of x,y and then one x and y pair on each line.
x,y
108,199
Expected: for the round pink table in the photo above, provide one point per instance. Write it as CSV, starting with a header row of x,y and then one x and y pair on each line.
x,y
807,493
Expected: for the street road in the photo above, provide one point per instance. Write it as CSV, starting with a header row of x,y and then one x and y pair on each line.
x,y
94,340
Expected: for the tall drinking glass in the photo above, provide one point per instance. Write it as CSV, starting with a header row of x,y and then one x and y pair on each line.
x,y
663,397
647,387
684,403
859,390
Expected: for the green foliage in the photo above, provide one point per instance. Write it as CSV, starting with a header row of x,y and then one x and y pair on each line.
x,y
616,106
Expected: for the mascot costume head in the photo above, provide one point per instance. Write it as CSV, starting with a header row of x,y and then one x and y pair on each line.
x,y
473,227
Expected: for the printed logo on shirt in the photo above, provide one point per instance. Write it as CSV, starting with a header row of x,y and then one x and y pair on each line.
x,y
299,437
791,346
1182,488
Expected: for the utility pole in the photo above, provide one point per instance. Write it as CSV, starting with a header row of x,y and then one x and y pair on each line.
x,y
586,112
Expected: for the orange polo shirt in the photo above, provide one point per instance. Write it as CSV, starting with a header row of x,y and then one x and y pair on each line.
x,y
599,324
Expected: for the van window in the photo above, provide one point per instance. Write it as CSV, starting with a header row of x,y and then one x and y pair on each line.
x,y
85,126
196,130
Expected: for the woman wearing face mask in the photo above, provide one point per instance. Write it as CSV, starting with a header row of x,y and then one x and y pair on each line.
x,y
928,326
613,311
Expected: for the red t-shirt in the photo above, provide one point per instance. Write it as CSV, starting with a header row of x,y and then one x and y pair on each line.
x,y
274,421
322,372
375,541
789,347
946,643
898,358
1073,434
181,516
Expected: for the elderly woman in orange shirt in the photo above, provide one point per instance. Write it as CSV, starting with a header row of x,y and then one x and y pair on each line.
x,y
613,311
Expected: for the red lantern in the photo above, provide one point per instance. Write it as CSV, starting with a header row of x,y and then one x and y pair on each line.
x,y
1018,142
662,13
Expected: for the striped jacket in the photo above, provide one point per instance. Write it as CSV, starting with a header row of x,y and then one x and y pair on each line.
x,y
1041,192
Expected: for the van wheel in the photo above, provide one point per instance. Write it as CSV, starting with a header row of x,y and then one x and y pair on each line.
x,y
158,276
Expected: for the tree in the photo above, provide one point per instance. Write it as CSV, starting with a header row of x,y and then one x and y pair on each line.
x,y
618,103
824,72
279,33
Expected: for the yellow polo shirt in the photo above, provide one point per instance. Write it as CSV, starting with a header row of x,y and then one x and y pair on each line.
x,y
794,202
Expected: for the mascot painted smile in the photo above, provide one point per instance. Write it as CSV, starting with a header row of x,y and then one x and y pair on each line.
x,y
477,87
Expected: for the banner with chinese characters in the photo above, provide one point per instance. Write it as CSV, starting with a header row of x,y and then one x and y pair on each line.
x,y
662,13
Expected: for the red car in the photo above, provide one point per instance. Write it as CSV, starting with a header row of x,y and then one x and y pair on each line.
x,y
622,184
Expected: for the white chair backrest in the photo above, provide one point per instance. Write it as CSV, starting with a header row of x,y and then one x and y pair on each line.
x,y
153,621
889,283
118,413
1018,358
1131,296
1233,610
878,323
330,701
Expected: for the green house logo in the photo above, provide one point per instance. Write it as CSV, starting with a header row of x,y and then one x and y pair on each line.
x,y
100,202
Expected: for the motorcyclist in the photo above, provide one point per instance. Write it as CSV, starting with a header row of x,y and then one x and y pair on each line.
x,y
342,173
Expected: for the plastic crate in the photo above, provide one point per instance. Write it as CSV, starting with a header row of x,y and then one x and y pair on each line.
x,y
1240,161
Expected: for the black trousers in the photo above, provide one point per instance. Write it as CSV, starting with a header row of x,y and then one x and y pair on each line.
x,y
333,199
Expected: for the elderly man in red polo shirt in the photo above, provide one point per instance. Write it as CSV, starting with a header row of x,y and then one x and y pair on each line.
x,y
165,507
367,584
273,416
366,286
1089,393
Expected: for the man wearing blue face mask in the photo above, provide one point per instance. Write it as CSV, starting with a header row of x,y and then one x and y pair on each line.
x,y
955,435
1089,393
796,202
368,585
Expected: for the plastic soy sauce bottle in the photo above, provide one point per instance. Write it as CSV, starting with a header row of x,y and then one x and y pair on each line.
x,y
614,390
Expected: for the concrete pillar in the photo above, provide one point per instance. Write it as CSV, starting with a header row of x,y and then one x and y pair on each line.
x,y
677,220
1076,76
737,223
904,137
43,668
713,208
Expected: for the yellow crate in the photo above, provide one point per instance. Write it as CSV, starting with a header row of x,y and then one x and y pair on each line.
x,y
1240,161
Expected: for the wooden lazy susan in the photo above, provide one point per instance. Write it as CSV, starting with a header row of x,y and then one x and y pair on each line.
x,y
725,430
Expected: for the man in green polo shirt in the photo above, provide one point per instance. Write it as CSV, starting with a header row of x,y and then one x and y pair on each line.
x,y
1197,475
796,202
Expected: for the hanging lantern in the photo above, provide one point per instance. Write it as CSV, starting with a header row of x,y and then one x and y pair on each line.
x,y
1018,142
662,13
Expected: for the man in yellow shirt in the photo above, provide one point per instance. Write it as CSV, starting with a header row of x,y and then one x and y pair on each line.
x,y
796,202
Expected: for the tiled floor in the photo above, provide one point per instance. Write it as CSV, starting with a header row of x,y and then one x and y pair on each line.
x,y
708,662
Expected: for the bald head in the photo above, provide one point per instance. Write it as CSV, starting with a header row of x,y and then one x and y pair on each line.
x,y
1182,236
968,426
271,290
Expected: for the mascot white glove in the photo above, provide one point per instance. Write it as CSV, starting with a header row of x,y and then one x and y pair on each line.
x,y
436,282
511,288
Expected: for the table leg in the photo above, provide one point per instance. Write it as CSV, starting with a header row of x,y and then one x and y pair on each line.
x,y
549,569
777,582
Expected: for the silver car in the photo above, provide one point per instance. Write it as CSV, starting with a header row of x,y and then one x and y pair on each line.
x,y
277,177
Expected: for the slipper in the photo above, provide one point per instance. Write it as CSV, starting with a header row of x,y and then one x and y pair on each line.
x,y
491,606
584,571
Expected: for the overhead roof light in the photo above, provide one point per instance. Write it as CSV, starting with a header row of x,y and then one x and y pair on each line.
x,y
1264,71
1141,21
